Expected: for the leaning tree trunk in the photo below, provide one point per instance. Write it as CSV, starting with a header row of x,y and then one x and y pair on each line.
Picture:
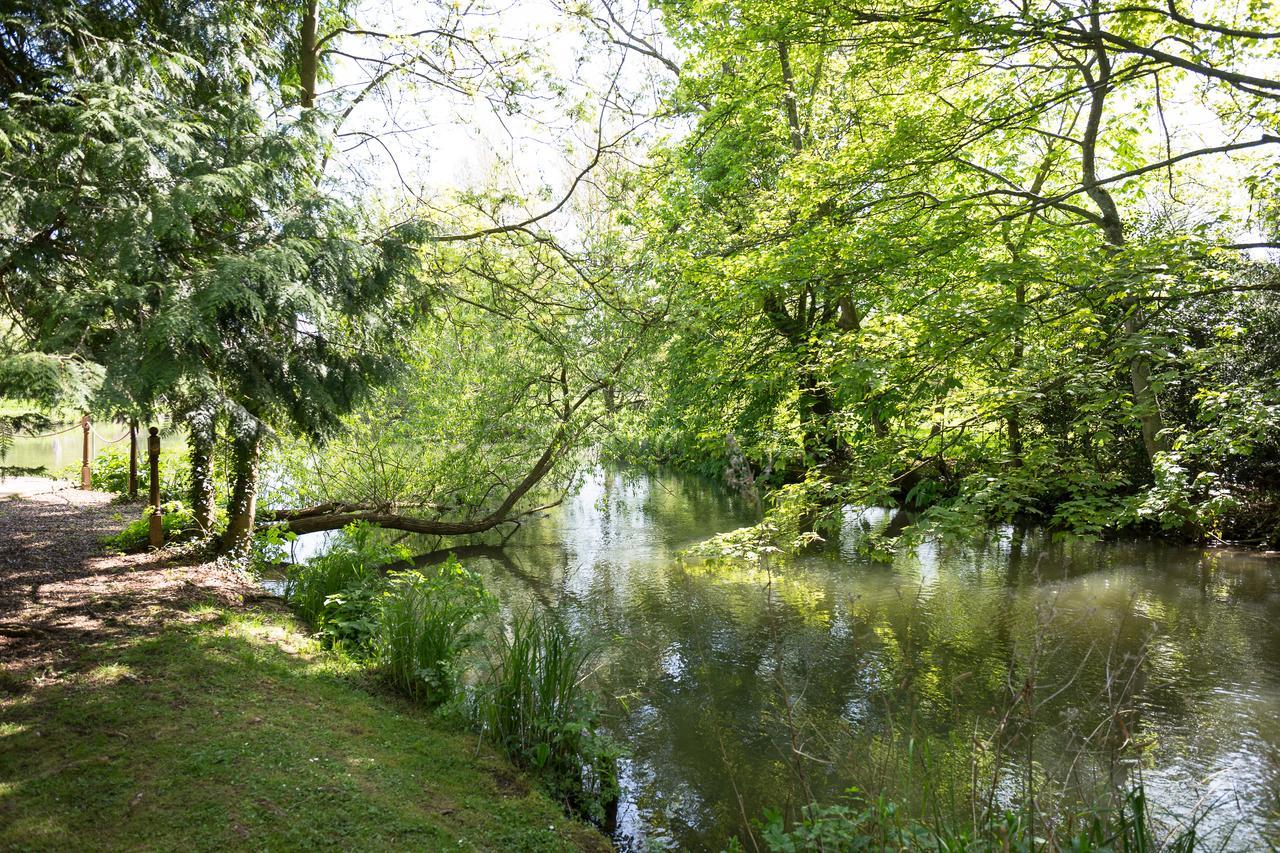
x,y
244,491
201,434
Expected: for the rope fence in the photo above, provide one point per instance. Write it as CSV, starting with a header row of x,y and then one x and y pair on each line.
x,y
52,434
86,425
102,438
106,440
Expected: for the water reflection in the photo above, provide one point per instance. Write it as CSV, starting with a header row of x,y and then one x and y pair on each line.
x,y
741,689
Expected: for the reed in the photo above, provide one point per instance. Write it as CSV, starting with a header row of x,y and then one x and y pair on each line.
x,y
878,824
537,708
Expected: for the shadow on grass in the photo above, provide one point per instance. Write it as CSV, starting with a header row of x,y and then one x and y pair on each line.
x,y
234,732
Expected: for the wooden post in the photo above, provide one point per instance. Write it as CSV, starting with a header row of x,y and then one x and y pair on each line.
x,y
133,459
86,474
153,458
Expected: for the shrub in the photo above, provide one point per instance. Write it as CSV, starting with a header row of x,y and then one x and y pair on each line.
x,y
425,621
176,520
335,592
536,708
270,552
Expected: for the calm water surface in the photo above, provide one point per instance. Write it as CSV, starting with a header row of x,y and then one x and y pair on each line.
x,y
62,445
59,448
1145,660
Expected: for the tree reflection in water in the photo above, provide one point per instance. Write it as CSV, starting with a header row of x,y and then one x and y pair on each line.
x,y
997,669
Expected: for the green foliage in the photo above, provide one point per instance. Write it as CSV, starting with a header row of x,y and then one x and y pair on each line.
x,y
502,395
49,379
111,472
425,620
336,591
878,825
176,521
536,707
886,272
167,234
270,551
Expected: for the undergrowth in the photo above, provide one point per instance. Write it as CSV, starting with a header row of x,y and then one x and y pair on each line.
x,y
414,629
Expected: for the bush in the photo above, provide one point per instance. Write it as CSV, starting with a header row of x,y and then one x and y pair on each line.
x,y
335,592
176,520
425,621
536,708
270,553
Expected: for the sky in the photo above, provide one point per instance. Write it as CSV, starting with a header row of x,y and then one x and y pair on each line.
x,y
515,100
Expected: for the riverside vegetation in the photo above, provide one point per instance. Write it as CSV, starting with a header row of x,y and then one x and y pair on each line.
x,y
414,626
156,701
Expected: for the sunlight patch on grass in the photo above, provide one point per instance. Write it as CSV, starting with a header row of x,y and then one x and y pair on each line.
x,y
109,673
11,729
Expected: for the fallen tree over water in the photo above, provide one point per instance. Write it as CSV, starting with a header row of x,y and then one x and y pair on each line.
x,y
489,426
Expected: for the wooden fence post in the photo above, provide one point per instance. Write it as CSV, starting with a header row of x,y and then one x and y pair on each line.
x,y
153,457
86,474
133,459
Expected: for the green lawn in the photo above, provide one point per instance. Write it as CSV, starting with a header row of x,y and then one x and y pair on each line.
x,y
237,732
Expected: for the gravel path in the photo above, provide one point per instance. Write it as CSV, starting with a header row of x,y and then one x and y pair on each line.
x,y
61,591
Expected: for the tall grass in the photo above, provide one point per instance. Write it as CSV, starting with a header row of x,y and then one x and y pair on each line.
x,y
536,707
425,621
415,627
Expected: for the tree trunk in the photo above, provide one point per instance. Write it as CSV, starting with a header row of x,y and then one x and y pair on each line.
x,y
309,54
1114,233
821,441
738,474
1143,393
789,100
244,492
1014,418
201,434
133,459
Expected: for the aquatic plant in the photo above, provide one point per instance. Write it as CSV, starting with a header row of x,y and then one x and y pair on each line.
x,y
536,707
877,824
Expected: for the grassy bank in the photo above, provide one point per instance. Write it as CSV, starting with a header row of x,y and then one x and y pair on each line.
x,y
235,730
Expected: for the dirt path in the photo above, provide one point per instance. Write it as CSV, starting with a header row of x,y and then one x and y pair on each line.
x,y
60,590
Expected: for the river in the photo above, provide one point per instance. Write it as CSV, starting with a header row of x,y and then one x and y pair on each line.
x,y
738,689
